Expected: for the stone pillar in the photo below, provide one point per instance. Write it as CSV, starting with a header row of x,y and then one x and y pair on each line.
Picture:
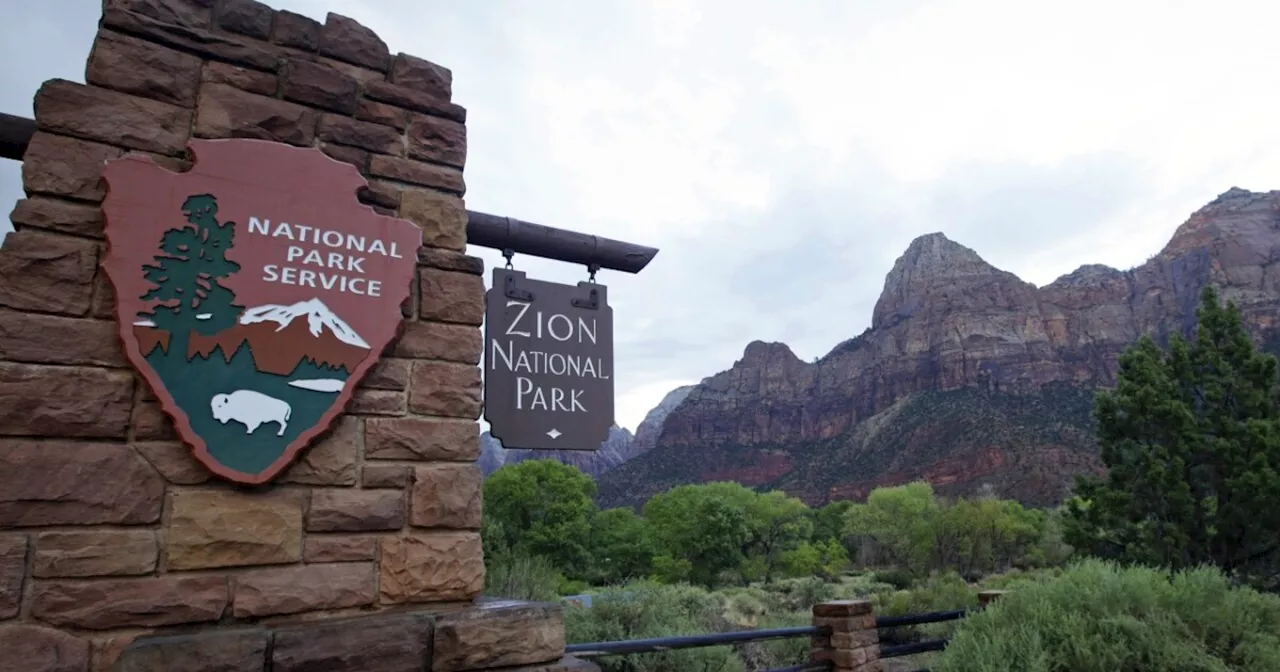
x,y
109,529
854,642
986,597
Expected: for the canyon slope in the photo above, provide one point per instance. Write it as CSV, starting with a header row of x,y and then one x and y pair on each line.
x,y
968,376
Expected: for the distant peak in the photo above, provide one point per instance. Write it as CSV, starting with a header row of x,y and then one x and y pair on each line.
x,y
935,247
931,262
760,351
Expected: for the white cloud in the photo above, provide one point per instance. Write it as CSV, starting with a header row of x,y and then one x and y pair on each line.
x,y
783,154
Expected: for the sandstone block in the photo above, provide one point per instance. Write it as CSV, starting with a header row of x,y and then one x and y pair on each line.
x,y
433,340
378,402
174,462
47,273
94,553
356,72
447,495
445,389
356,157
382,113
296,30
103,304
418,74
430,439
386,476
227,112
191,38
106,604
431,175
442,217
388,374
62,166
55,214
293,590
217,528
13,570
451,297
76,483
95,113
185,13
319,85
151,423
437,567
838,608
437,140
346,40
339,548
240,650
365,135
498,634
64,401
381,643
261,83
356,510
450,261
50,339
417,101
129,65
245,17
380,194
33,648
331,460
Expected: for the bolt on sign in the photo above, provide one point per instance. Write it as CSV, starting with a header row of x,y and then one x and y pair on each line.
x,y
548,378
253,293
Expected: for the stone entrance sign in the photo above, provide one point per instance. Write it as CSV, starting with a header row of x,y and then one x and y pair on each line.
x,y
254,292
548,377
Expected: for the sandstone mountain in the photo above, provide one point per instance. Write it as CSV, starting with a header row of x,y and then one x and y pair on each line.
x,y
967,376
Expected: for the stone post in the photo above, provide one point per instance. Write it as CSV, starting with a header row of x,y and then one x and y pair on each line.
x,y
854,642
988,596
112,536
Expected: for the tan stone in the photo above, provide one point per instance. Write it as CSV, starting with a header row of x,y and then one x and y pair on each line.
x,y
434,567
103,115
32,648
442,217
94,553
434,340
356,157
445,389
445,178
51,339
498,635
151,423
332,460
356,510
386,475
340,548
76,483
60,166
418,101
58,215
212,650
217,528
174,461
318,85
422,75
381,113
227,112
430,439
374,643
355,133
261,83
47,273
107,604
13,570
451,297
388,374
447,495
437,140
378,402
172,24
64,401
292,590
138,68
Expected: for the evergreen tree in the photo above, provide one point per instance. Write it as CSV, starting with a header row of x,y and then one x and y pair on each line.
x,y
1190,437
185,276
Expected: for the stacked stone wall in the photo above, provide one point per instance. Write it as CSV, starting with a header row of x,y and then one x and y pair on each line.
x,y
109,529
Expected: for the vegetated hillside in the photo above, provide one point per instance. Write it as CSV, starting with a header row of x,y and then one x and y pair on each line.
x,y
967,376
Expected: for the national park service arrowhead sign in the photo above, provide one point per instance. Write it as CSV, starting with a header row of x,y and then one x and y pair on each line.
x,y
253,292
548,374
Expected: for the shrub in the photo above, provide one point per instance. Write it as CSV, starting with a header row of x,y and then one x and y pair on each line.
x,y
522,577
940,592
1098,617
900,579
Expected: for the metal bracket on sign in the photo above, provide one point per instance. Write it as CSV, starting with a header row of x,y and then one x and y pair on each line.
x,y
592,302
511,290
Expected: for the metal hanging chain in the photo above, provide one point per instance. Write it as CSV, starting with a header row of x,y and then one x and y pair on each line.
x,y
591,269
508,253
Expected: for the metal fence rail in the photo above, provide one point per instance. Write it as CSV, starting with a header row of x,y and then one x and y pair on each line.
x,y
659,644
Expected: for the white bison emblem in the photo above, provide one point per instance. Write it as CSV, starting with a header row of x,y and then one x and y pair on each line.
x,y
252,409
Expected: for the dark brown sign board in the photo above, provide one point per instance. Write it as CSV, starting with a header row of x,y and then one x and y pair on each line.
x,y
253,293
548,371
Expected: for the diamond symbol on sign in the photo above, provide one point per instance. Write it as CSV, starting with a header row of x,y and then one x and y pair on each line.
x,y
554,433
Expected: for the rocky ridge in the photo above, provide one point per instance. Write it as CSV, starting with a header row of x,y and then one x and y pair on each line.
x,y
968,374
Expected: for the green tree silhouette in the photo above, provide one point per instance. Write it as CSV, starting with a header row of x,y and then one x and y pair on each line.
x,y
1191,440
185,276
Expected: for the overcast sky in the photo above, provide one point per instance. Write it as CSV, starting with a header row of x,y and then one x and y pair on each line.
x,y
783,154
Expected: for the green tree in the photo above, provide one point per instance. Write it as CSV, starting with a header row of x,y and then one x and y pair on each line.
x,y
828,521
1190,437
901,521
542,508
701,531
185,276
778,524
620,546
